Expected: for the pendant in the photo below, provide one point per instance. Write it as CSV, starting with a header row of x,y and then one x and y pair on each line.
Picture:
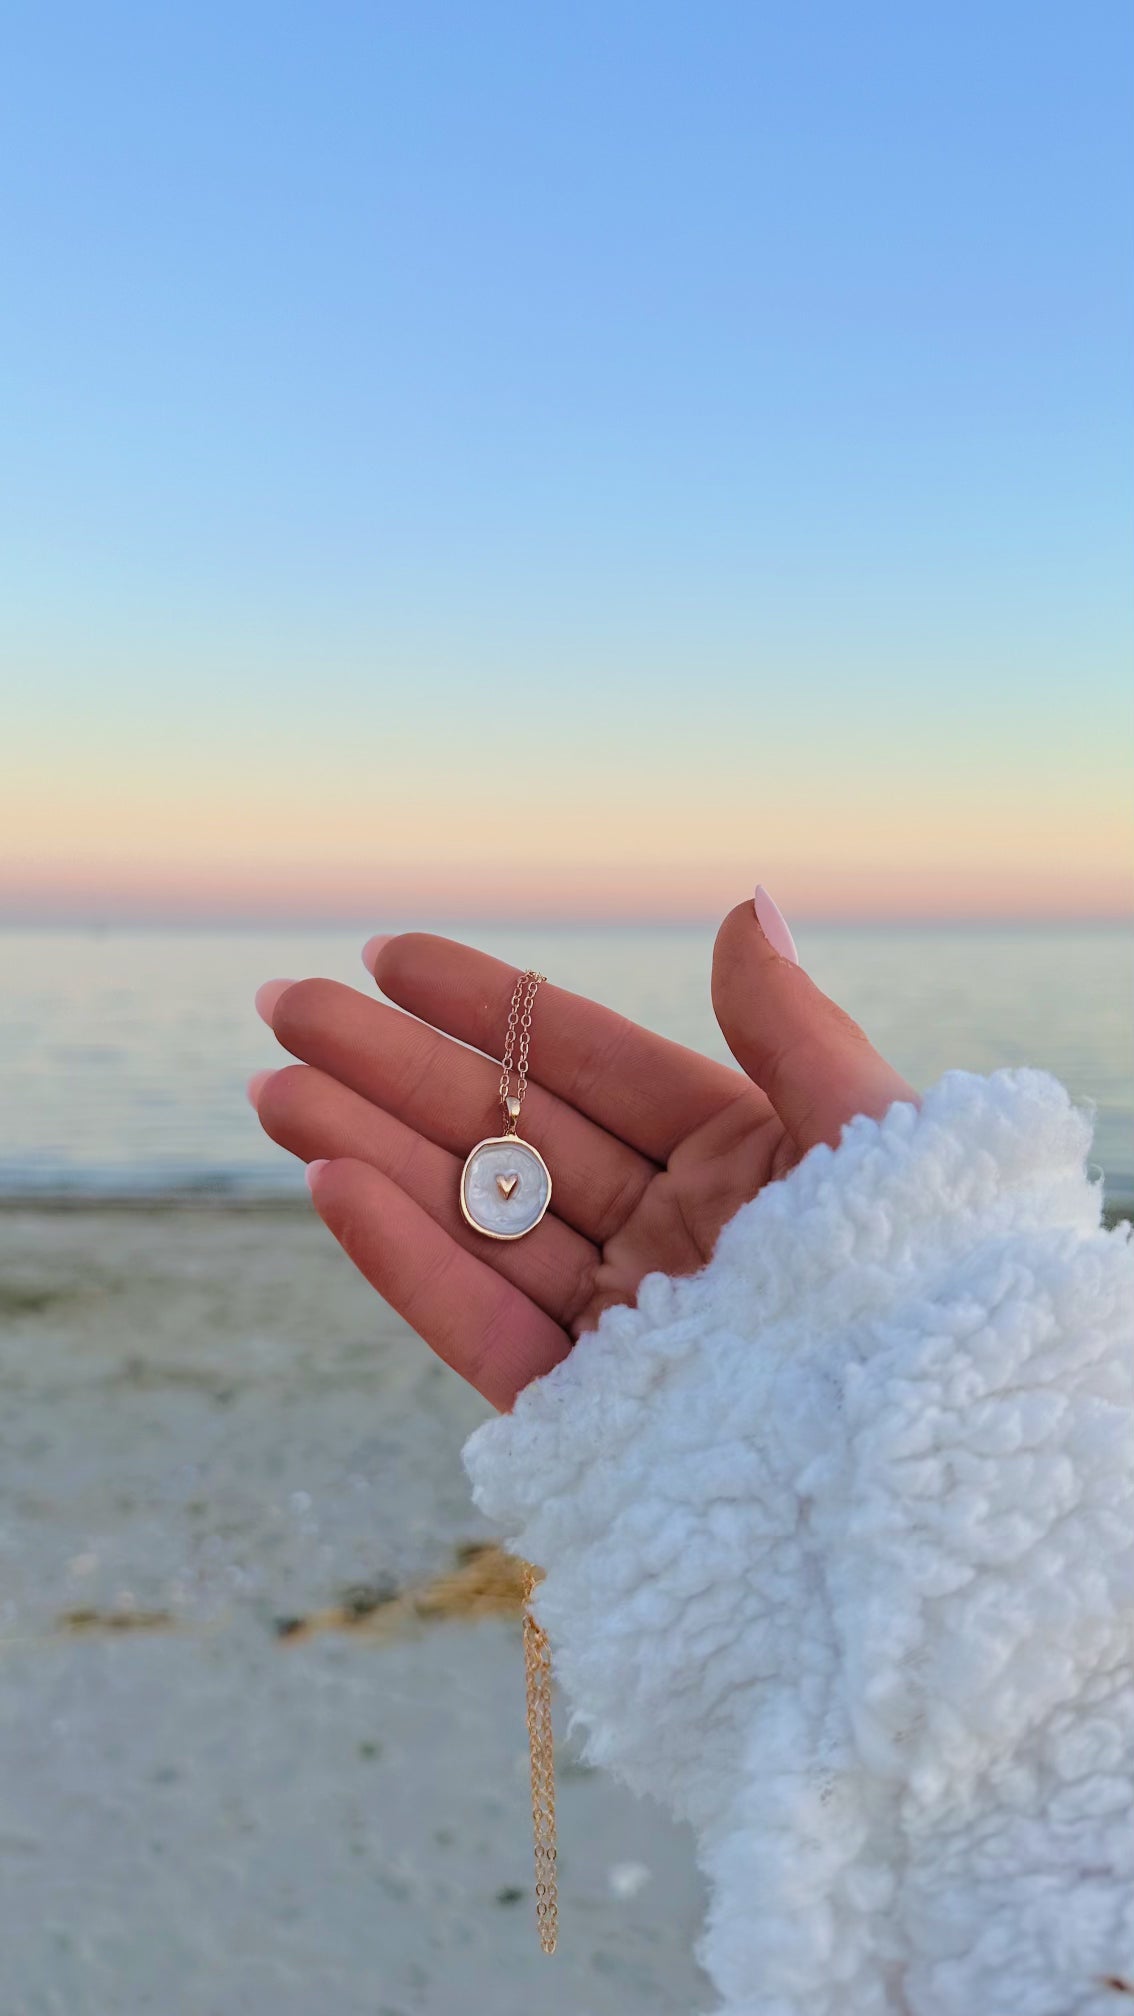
x,y
505,1187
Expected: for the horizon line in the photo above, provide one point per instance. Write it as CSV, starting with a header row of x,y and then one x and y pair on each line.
x,y
430,919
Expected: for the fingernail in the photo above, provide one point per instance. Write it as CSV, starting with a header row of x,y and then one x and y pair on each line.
x,y
312,1171
372,948
256,1085
267,996
774,925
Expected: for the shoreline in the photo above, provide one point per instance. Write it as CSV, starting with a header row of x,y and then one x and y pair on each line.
x,y
249,1203
171,1202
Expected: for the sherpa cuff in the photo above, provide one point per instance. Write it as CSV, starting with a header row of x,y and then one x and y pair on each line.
x,y
838,1537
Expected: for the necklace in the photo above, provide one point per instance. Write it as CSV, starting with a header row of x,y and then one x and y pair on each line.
x,y
505,1190
541,1758
505,1183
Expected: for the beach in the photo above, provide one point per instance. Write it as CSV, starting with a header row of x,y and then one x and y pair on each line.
x,y
246,1773
261,1698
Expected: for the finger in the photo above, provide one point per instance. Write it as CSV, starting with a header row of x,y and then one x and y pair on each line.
x,y
314,1116
475,1320
814,1063
449,1094
643,1088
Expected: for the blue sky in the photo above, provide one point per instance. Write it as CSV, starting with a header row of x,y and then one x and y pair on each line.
x,y
730,399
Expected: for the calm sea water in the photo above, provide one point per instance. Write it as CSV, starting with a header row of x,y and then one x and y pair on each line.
x,y
123,1053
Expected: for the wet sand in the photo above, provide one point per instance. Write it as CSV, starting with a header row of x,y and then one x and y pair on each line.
x,y
261,1716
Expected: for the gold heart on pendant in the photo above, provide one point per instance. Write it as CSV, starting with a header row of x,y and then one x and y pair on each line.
x,y
507,1183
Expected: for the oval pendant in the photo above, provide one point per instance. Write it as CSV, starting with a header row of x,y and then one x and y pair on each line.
x,y
505,1187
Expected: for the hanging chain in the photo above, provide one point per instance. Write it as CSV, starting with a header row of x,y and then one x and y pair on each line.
x,y
537,1651
537,1675
519,1023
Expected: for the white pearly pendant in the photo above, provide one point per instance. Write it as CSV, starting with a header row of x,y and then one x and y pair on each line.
x,y
505,1187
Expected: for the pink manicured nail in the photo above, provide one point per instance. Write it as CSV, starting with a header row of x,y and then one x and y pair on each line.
x,y
268,995
256,1085
312,1171
371,950
774,925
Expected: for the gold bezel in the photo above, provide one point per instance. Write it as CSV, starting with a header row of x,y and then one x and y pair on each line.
x,y
503,1140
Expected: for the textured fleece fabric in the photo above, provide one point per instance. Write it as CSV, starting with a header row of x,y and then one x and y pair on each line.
x,y
839,1549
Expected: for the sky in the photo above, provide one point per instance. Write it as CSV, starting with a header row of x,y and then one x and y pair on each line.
x,y
575,461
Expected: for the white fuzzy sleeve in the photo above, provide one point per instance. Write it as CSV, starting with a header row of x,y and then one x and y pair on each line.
x,y
839,1549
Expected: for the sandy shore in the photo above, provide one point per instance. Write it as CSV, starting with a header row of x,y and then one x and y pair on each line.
x,y
244,1774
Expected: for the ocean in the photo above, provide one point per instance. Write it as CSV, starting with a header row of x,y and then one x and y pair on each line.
x,y
124,1051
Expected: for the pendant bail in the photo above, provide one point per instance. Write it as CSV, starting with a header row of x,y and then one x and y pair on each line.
x,y
512,1108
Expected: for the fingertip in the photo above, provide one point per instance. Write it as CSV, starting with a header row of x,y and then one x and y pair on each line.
x,y
372,948
267,998
774,925
255,1087
314,1170
806,1054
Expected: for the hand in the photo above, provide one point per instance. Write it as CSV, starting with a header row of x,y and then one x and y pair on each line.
x,y
652,1148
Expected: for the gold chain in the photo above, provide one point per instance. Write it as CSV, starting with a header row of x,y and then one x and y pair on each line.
x,y
537,1651
519,1023
537,1675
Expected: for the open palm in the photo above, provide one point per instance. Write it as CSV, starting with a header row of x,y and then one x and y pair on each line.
x,y
651,1147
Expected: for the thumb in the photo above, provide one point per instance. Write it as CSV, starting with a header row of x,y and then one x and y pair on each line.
x,y
804,1052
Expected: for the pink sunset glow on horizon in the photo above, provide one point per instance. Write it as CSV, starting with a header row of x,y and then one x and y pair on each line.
x,y
588,893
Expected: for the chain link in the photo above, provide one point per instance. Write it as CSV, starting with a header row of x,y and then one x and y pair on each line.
x,y
537,1675
519,1024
